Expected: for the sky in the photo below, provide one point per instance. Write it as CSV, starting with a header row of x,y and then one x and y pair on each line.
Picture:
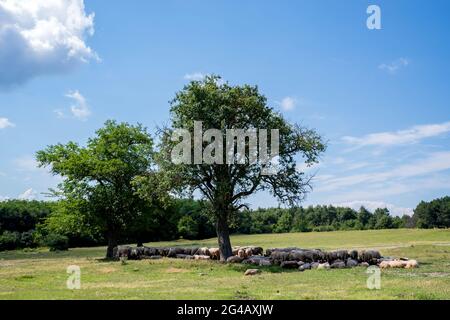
x,y
379,97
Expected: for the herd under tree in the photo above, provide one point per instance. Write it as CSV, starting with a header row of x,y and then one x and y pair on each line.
x,y
226,186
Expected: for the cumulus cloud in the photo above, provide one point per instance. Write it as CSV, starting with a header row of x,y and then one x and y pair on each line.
x,y
39,37
288,103
80,108
402,137
394,66
29,194
5,123
373,205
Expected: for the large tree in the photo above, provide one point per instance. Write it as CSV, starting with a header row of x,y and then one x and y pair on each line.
x,y
225,186
97,178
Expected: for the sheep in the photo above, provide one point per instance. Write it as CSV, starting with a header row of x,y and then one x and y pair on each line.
x,y
364,264
297,255
337,255
342,255
353,254
202,257
214,253
351,263
164,251
322,266
172,253
234,259
193,251
304,267
278,256
235,250
121,251
272,250
411,264
251,272
338,264
369,256
313,255
135,254
257,251
265,262
203,252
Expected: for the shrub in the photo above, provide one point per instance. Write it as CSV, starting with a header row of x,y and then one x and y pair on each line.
x,y
27,240
9,240
187,227
56,242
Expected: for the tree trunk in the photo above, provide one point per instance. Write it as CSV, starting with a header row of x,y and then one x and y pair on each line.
x,y
112,243
223,235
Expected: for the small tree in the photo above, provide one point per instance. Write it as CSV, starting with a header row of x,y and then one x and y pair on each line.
x,y
98,178
187,227
226,186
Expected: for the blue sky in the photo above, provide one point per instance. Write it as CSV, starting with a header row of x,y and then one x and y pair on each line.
x,y
379,97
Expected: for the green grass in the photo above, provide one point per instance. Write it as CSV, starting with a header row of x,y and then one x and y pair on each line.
x,y
41,274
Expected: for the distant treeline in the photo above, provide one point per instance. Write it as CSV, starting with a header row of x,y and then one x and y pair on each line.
x,y
28,224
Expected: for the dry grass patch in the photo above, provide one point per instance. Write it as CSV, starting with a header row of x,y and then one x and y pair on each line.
x,y
176,270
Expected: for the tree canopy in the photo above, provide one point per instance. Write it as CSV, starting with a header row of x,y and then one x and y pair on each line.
x,y
433,214
98,177
223,107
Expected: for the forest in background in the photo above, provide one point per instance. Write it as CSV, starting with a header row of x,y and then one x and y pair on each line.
x,y
29,224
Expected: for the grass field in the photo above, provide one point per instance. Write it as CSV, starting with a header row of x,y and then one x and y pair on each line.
x,y
41,274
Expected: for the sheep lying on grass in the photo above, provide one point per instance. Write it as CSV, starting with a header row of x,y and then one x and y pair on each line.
x,y
288,258
406,264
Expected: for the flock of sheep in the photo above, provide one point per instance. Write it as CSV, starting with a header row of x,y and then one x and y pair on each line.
x,y
288,258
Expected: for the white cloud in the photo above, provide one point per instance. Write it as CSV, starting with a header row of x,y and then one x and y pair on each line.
x,y
5,123
29,194
80,108
373,205
197,76
59,113
402,137
40,37
26,163
435,162
392,189
394,66
288,103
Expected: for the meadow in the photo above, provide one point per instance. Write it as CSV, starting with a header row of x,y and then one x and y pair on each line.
x,y
40,274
